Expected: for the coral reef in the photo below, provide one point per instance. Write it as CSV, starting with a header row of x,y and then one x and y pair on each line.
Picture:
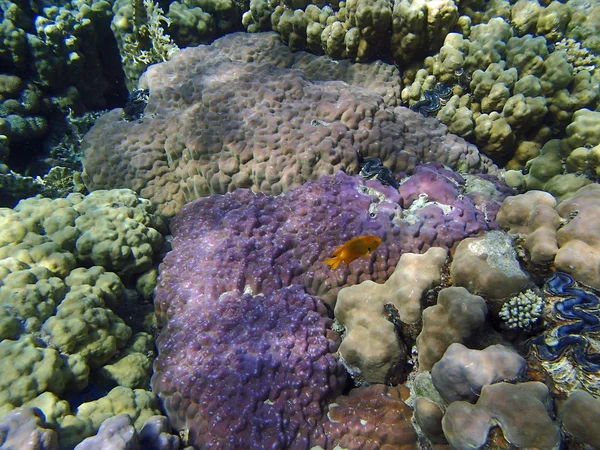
x,y
372,416
579,414
257,368
324,150
522,310
59,313
118,432
516,96
488,266
532,220
360,30
557,169
563,234
24,428
138,28
262,257
115,229
219,118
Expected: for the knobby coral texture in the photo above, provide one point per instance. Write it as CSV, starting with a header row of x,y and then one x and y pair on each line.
x,y
246,112
246,359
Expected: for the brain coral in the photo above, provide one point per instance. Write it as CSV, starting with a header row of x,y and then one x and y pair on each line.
x,y
246,112
246,356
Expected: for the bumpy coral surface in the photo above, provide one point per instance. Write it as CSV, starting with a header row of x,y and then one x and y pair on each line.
x,y
246,112
245,348
519,410
488,266
532,219
249,371
286,238
115,229
458,317
566,233
59,322
580,414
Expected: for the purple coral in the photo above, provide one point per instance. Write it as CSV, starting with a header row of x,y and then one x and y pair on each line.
x,y
246,356
249,371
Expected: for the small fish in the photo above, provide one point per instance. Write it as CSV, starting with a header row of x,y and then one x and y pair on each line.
x,y
354,248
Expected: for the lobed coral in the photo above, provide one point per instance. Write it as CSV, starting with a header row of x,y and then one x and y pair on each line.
x,y
516,93
25,428
488,266
561,233
462,373
371,350
519,411
458,316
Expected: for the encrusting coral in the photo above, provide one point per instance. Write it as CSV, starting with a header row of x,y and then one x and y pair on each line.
x,y
488,266
519,410
462,372
458,316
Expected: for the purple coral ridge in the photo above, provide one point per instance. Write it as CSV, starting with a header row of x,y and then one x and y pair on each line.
x,y
246,357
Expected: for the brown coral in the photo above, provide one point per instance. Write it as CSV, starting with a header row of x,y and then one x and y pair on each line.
x,y
265,119
373,417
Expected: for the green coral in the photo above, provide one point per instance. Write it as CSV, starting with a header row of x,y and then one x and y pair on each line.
x,y
138,28
148,43
83,325
519,89
547,172
57,321
31,296
115,229
28,370
133,368
579,57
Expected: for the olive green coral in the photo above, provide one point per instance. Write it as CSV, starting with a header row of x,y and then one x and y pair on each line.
x,y
516,84
83,325
28,370
114,229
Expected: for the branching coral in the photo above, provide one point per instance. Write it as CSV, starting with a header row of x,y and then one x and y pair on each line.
x,y
522,310
580,57
148,44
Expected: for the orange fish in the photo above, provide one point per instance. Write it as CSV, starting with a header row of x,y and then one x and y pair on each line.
x,y
354,248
